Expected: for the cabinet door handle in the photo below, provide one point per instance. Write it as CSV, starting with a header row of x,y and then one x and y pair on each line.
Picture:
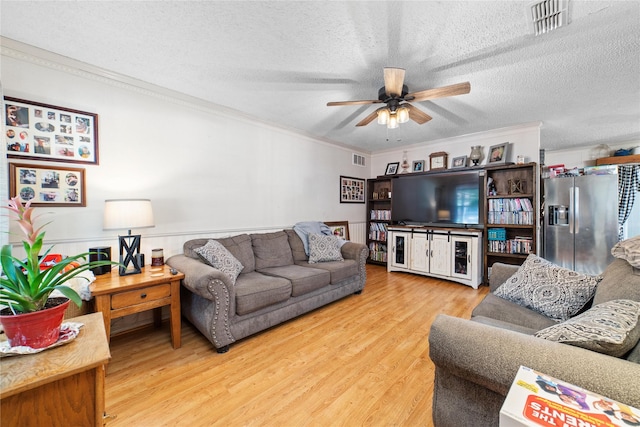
x,y
143,296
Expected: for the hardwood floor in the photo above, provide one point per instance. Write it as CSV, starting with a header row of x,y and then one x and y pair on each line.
x,y
360,361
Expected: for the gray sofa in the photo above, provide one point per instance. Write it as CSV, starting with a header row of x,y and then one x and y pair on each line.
x,y
476,360
276,284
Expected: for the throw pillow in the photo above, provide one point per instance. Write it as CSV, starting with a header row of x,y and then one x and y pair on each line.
x,y
215,254
628,250
323,248
611,328
549,289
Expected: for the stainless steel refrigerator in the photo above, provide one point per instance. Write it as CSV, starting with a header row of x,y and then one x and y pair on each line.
x,y
581,221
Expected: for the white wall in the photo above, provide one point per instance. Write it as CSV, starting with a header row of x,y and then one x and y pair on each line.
x,y
206,171
581,157
524,139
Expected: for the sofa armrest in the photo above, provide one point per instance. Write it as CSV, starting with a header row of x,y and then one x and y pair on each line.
x,y
500,273
357,251
490,357
198,276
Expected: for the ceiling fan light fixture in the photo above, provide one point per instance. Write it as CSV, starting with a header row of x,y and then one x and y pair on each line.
x,y
403,115
383,116
393,122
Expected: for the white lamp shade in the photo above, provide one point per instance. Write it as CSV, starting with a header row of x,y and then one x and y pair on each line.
x,y
122,214
383,116
403,115
393,122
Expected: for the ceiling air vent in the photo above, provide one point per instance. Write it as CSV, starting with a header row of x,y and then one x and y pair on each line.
x,y
357,159
548,15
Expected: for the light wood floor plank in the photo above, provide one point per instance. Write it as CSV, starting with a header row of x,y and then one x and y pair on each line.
x,y
362,361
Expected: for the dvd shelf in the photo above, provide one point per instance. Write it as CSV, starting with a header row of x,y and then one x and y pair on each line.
x,y
379,208
510,217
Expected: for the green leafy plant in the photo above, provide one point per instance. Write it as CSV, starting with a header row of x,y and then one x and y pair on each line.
x,y
24,287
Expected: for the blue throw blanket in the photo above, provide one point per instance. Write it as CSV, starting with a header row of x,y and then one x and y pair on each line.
x,y
303,229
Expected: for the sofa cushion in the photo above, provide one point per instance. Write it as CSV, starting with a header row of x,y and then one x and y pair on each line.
x,y
619,281
503,325
255,291
506,311
549,289
219,257
239,246
271,249
611,328
297,247
303,279
628,250
323,248
340,270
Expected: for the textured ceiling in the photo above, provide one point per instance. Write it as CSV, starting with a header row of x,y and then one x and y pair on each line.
x,y
282,61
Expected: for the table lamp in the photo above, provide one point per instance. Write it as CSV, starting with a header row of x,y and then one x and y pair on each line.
x,y
126,214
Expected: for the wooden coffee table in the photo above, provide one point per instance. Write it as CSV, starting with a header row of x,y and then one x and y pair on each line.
x,y
117,296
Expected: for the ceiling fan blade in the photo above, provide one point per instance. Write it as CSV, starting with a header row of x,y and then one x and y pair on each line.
x,y
371,117
441,92
337,103
393,81
417,115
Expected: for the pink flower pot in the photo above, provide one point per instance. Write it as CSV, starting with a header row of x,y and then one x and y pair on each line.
x,y
38,329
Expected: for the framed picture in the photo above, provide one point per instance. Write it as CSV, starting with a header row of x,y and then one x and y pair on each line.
x,y
351,190
418,166
499,154
47,186
47,132
459,162
392,168
339,228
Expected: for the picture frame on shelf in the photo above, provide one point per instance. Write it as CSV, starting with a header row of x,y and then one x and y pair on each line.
x,y
40,131
352,190
459,162
438,161
499,154
392,168
47,185
418,166
339,229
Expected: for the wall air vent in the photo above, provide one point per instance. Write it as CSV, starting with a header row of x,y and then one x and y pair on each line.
x,y
357,159
547,15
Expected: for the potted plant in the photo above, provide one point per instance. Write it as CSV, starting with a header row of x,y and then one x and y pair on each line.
x,y
25,286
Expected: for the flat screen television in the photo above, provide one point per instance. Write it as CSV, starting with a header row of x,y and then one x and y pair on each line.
x,y
441,199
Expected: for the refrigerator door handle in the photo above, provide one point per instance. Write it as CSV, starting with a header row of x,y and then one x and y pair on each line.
x,y
576,210
571,212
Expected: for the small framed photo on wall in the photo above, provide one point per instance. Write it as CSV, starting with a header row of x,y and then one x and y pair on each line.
x,y
459,162
418,166
47,185
392,168
351,190
499,154
48,132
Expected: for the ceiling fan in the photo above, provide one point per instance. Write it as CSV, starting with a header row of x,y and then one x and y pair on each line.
x,y
396,95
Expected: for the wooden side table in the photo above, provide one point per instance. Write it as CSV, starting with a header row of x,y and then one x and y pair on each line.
x,y
62,386
117,296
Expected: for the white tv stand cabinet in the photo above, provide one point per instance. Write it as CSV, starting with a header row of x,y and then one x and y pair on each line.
x,y
447,253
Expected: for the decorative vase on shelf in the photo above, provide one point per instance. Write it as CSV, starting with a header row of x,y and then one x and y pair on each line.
x,y
476,154
405,163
